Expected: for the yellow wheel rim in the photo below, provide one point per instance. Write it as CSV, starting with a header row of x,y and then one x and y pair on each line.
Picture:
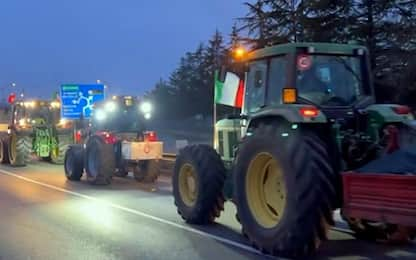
x,y
55,153
266,190
188,184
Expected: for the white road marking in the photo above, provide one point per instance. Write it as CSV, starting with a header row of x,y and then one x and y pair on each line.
x,y
137,212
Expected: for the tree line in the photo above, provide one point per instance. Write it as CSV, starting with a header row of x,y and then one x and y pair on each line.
x,y
386,27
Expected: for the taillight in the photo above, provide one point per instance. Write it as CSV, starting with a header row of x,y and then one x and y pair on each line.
x,y
401,110
309,111
110,138
150,136
78,137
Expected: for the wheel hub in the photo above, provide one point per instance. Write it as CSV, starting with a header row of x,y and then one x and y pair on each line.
x,y
266,190
188,187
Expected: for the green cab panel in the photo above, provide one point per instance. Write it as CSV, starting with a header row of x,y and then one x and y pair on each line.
x,y
227,137
384,113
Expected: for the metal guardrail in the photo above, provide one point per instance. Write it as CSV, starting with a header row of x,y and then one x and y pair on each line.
x,y
169,156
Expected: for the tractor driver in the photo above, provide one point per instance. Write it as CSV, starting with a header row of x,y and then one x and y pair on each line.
x,y
313,80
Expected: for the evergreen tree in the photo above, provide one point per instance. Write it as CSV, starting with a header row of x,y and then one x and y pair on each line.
x,y
388,28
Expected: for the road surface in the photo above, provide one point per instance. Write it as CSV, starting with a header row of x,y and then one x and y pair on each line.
x,y
43,216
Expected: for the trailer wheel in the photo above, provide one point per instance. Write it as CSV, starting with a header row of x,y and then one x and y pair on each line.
x,y
284,190
58,153
388,233
198,182
20,149
146,171
100,161
4,153
74,163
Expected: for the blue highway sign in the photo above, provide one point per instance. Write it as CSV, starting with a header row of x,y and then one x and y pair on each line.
x,y
78,99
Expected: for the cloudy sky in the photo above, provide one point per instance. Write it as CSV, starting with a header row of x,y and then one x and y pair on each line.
x,y
128,44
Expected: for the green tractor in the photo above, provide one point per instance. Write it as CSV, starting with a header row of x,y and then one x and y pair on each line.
x,y
35,128
308,116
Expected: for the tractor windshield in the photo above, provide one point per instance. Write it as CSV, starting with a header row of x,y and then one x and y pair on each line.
x,y
329,80
118,116
33,113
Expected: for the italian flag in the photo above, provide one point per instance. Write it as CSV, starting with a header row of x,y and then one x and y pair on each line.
x,y
230,92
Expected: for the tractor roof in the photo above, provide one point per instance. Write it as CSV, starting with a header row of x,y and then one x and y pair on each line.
x,y
326,48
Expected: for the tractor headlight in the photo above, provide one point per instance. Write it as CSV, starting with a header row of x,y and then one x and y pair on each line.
x,y
146,107
110,106
100,115
55,104
22,122
147,116
62,121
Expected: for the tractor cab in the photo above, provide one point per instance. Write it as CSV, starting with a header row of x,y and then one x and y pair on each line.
x,y
38,114
320,75
27,114
121,114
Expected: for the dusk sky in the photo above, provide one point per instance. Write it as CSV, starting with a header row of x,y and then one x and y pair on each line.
x,y
128,44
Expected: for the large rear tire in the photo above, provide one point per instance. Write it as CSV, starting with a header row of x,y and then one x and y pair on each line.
x,y
100,161
20,149
146,171
284,189
4,151
198,182
58,153
74,163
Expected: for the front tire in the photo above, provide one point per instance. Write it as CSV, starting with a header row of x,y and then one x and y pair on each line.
x,y
198,182
4,151
284,190
20,149
100,161
74,163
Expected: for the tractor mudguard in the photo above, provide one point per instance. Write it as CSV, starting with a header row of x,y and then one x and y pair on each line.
x,y
384,113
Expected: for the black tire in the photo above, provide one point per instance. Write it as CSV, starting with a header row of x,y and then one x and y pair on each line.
x,y
146,171
308,195
58,156
100,161
20,149
74,163
210,175
4,151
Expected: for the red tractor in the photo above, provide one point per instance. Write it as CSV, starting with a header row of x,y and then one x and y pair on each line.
x,y
115,143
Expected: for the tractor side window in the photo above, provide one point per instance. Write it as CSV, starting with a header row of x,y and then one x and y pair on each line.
x,y
277,80
256,86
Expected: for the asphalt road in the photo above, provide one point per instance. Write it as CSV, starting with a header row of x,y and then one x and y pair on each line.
x,y
43,216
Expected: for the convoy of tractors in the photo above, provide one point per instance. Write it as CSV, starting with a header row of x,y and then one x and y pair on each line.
x,y
309,139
